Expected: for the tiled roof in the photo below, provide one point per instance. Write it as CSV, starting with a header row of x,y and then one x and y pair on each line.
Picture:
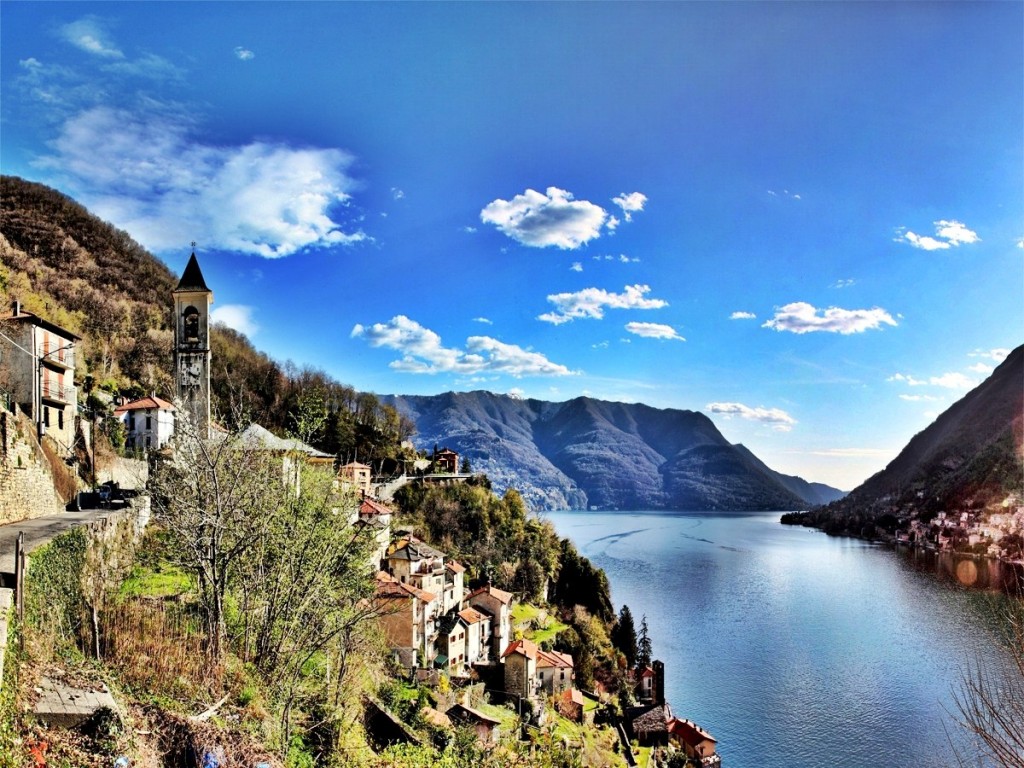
x,y
527,648
414,549
691,733
373,507
144,403
259,438
454,567
554,659
472,615
355,465
389,586
648,720
28,317
462,712
501,595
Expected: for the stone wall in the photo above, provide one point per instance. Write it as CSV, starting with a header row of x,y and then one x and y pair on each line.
x,y
127,473
26,483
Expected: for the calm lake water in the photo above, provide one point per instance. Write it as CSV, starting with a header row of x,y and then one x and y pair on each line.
x,y
792,648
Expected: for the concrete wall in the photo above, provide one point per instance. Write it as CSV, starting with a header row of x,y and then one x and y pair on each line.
x,y
26,483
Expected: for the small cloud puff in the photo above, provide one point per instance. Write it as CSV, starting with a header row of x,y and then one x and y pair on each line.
x,y
484,320
630,204
244,54
591,302
554,218
953,380
742,316
422,352
844,282
654,331
236,316
576,266
800,317
778,419
89,35
997,355
396,193
784,193
948,234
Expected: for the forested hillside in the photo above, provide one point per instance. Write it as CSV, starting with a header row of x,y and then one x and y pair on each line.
x,y
75,270
591,453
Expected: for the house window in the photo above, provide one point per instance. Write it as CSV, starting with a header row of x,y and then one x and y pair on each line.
x,y
46,416
60,419
149,422
131,422
149,441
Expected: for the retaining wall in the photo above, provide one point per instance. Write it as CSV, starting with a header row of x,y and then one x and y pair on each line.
x,y
26,482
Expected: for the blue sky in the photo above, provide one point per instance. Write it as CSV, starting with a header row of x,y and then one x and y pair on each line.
x,y
803,219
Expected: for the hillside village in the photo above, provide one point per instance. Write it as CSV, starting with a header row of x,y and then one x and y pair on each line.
x,y
479,658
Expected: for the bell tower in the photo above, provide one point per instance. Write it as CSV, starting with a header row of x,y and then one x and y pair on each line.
x,y
192,300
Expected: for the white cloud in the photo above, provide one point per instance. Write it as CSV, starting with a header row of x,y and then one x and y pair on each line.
x,y
396,193
89,35
742,316
981,368
628,259
600,345
801,317
919,398
613,223
540,220
147,175
948,233
996,355
776,417
953,380
630,204
591,302
422,352
516,393
576,266
484,320
237,316
654,331
844,282
1020,243
244,54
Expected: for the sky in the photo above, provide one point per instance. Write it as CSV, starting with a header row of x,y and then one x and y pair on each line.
x,y
805,220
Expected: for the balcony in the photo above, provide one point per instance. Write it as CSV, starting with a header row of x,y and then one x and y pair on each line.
x,y
59,358
55,392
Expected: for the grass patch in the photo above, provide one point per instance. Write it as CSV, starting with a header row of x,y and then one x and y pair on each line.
x,y
524,613
548,633
162,580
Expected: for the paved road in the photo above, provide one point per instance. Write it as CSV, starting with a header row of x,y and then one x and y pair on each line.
x,y
40,530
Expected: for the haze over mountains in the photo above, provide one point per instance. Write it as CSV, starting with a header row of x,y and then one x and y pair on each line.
x,y
970,456
587,453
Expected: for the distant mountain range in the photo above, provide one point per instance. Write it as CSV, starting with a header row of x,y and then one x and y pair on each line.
x,y
592,454
971,456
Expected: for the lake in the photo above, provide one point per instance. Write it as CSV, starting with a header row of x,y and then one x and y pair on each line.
x,y
791,647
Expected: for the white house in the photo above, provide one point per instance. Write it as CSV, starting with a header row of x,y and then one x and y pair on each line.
x,y
148,422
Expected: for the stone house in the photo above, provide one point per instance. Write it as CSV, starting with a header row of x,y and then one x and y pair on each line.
x,y
446,460
555,671
454,590
415,562
462,639
37,369
497,603
696,743
521,677
408,619
148,422
485,726
356,475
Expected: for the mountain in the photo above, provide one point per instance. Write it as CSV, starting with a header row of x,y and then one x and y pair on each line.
x,y
812,493
587,453
972,455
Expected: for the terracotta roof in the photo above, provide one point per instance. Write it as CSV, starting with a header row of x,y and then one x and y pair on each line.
x,y
144,403
502,596
355,465
554,659
390,587
647,672
471,615
454,567
527,648
574,695
690,733
650,720
372,507
192,277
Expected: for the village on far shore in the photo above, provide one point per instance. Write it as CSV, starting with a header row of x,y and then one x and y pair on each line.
x,y
478,648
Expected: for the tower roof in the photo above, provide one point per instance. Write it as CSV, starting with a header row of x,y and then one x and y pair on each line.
x,y
192,277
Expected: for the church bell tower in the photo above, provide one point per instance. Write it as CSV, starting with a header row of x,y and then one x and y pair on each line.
x,y
192,300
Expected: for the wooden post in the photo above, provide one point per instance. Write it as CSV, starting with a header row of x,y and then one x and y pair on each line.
x,y
19,586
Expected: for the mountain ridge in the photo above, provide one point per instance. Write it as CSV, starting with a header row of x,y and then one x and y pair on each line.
x,y
586,453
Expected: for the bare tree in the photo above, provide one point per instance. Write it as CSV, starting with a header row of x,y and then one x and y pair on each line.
x,y
990,700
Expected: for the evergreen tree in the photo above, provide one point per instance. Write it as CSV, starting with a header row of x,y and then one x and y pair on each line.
x,y
624,635
643,646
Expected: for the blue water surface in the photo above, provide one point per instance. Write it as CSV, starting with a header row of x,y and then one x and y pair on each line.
x,y
794,648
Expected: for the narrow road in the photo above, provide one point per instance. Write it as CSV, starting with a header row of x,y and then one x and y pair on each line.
x,y
39,531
